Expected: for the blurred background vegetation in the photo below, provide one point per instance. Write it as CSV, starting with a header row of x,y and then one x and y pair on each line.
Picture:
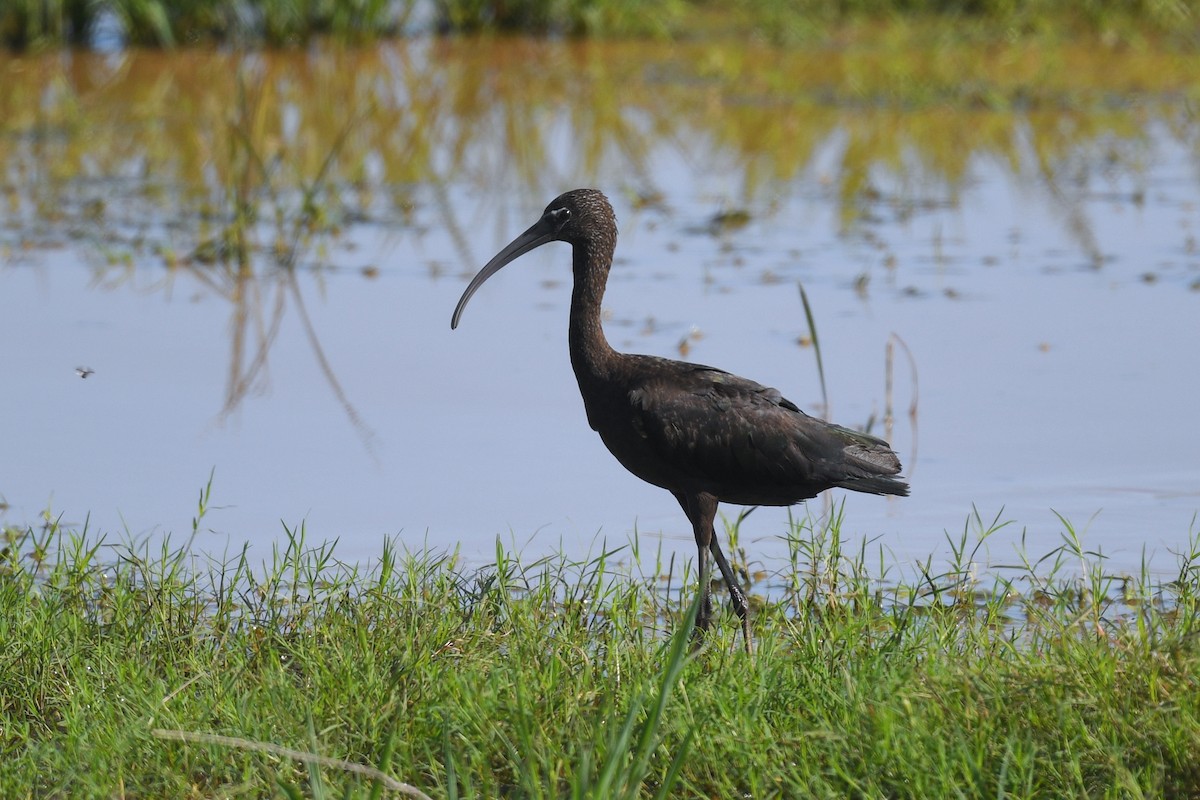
x,y
166,23
153,148
130,141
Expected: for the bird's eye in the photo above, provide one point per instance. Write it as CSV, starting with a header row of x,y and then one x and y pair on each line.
x,y
561,216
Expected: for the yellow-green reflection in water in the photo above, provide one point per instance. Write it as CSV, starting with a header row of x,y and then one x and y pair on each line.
x,y
484,112
312,205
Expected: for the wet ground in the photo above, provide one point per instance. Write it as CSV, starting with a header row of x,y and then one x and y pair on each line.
x,y
246,266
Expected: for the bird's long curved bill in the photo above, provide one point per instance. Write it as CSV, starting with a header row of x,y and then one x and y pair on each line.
x,y
536,236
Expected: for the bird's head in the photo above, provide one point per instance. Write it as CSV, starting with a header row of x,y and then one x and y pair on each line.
x,y
581,217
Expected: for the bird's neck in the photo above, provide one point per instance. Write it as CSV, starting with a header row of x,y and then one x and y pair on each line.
x,y
591,355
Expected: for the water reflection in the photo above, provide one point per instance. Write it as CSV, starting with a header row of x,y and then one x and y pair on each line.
x,y
225,164
267,182
88,137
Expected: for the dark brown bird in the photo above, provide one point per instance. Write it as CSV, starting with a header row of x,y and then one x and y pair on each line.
x,y
702,434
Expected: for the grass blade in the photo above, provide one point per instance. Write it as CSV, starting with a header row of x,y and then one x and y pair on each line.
x,y
816,341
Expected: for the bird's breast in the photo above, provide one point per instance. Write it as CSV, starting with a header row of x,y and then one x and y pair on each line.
x,y
620,427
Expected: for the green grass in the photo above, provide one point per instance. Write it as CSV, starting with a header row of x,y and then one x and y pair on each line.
x,y
166,23
135,671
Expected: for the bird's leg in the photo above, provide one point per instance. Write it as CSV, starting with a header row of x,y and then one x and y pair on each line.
x,y
700,510
736,595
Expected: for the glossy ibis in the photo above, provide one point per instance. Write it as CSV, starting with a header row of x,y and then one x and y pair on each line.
x,y
701,433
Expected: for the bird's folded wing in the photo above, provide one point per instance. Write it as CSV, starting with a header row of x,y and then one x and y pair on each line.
x,y
715,425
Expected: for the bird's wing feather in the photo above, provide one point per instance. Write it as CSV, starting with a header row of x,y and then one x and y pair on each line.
x,y
713,425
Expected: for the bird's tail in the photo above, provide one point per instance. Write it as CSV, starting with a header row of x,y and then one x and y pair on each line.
x,y
877,465
876,484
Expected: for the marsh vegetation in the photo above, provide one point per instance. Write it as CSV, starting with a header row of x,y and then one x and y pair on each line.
x,y
41,23
141,670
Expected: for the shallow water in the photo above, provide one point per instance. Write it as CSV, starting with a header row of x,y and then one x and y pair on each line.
x,y
1040,266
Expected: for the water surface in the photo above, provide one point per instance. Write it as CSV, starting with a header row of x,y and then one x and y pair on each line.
x,y
1031,267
